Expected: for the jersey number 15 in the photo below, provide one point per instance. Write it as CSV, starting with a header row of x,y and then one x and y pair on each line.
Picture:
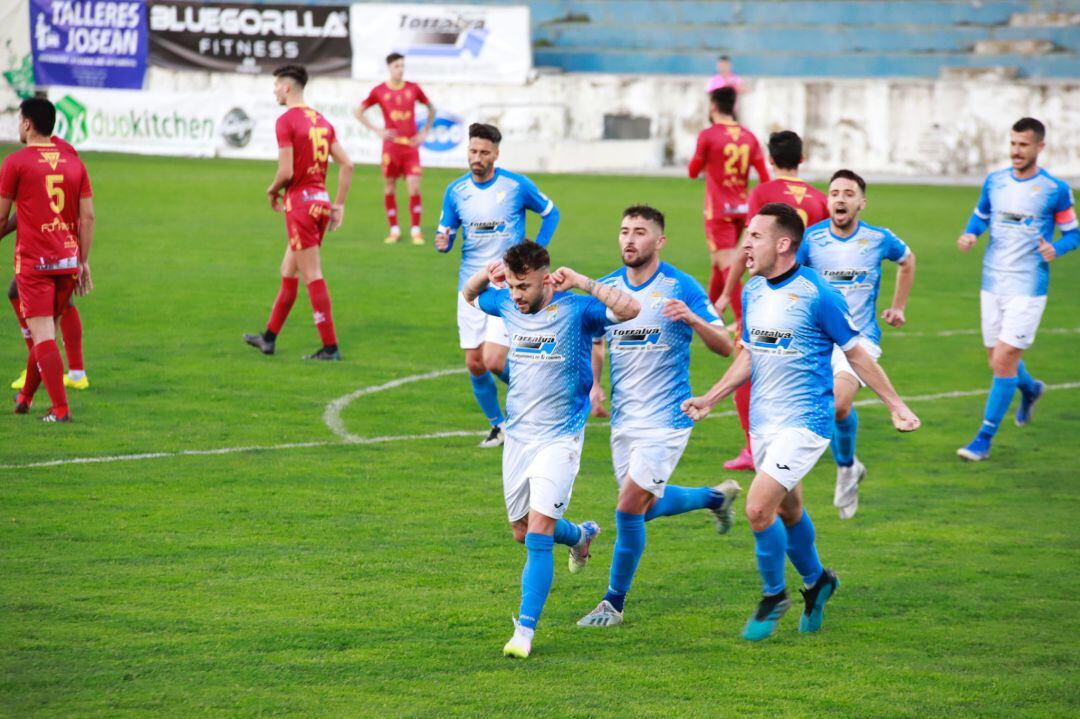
x,y
320,147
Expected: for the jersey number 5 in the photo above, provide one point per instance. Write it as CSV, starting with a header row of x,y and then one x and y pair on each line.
x,y
736,154
56,193
320,147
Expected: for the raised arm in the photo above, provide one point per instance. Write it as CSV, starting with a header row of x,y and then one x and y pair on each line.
x,y
345,173
875,378
475,285
713,334
623,307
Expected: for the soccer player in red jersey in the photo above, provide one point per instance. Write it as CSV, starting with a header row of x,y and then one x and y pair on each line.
x,y
55,216
306,142
785,156
401,142
70,322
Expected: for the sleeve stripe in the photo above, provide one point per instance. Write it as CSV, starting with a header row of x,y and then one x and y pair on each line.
x,y
983,215
850,343
548,209
1066,216
1068,226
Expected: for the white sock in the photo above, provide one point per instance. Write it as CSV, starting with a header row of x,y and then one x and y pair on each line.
x,y
415,230
395,230
525,632
76,374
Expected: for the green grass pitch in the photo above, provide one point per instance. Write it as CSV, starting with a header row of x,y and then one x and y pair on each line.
x,y
349,580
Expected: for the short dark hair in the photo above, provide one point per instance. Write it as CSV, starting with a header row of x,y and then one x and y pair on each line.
x,y
485,132
785,148
849,175
41,113
1030,123
724,100
725,57
787,219
645,212
293,72
525,257
394,57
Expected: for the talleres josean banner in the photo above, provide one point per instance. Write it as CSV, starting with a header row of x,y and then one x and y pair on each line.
x,y
250,38
90,43
443,43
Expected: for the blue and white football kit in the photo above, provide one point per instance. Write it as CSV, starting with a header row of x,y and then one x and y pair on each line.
x,y
853,266
790,328
650,377
1020,214
548,402
1015,277
790,325
491,216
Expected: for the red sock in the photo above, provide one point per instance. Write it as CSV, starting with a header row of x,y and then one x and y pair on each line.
x,y
736,304
22,323
320,303
284,302
33,377
716,283
414,210
742,408
71,329
52,374
391,210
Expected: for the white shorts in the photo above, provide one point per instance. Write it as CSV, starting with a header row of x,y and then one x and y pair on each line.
x,y
788,454
840,363
540,475
476,327
649,456
1013,319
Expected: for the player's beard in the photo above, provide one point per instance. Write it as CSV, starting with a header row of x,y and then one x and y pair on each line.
x,y
640,259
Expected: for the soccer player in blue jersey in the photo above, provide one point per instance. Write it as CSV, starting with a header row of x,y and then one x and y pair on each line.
x,y
791,320
848,253
1020,206
551,333
650,378
489,205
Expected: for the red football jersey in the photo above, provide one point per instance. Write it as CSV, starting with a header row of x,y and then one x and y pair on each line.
x,y
46,184
310,136
398,109
810,202
726,151
64,145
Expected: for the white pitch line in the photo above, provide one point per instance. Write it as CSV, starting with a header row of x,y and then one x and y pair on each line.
x,y
957,333
333,413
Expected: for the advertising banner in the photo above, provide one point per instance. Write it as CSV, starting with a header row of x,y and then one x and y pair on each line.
x,y
444,43
225,122
93,43
241,37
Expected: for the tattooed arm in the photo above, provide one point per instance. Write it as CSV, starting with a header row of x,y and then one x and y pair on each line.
x,y
623,307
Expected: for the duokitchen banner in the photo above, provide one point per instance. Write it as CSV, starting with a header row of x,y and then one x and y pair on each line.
x,y
241,37
95,43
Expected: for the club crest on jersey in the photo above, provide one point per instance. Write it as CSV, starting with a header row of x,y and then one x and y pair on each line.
x,y
535,348
798,192
500,196
846,277
772,341
552,313
637,339
52,158
656,300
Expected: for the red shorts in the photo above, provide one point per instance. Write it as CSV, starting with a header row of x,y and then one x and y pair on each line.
x,y
723,233
306,222
400,161
44,295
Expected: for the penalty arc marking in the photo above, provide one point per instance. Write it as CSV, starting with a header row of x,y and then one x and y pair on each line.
x,y
332,419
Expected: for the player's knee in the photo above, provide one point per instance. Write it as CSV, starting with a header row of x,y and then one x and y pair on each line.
x,y
843,410
475,365
791,513
494,364
759,516
519,531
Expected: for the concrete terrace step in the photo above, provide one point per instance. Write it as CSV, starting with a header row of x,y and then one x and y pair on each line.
x,y
747,38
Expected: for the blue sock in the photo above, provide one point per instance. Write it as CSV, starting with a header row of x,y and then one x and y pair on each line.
x,y
536,578
680,500
487,396
566,532
505,374
997,404
1024,381
629,544
801,550
843,439
771,544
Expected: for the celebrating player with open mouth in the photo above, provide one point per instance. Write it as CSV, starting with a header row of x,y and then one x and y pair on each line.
x,y
792,318
551,332
401,142
306,142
